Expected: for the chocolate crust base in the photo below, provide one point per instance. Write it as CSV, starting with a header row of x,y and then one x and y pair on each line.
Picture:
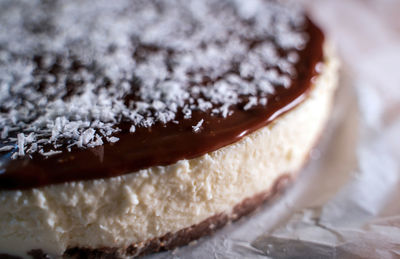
x,y
171,240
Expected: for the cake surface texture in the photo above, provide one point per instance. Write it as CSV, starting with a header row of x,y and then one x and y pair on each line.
x,y
129,127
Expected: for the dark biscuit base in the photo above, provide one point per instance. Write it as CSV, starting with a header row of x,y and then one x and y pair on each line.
x,y
171,240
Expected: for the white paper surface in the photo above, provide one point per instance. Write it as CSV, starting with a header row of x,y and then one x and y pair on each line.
x,y
346,202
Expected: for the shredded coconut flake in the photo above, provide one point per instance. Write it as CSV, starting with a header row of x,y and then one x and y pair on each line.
x,y
197,127
6,148
113,139
21,144
132,129
252,102
50,153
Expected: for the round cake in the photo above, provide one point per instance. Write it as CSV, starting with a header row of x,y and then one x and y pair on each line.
x,y
129,127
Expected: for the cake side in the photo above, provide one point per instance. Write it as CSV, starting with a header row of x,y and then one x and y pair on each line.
x,y
131,209
184,236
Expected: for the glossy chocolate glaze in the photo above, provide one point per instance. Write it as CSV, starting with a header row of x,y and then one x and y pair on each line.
x,y
161,144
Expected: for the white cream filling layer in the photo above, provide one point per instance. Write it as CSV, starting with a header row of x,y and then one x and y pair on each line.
x,y
135,207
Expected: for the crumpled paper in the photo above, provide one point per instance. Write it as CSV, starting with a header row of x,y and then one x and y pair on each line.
x,y
346,202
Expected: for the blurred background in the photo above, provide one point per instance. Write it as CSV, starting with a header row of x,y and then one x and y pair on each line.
x,y
367,36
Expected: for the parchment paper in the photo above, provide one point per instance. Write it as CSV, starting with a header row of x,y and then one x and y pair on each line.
x,y
346,202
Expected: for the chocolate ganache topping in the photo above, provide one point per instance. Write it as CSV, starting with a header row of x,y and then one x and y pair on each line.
x,y
90,90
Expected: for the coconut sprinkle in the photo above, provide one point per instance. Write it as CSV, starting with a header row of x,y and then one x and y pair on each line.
x,y
197,127
6,148
72,71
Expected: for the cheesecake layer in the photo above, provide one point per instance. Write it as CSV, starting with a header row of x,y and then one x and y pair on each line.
x,y
129,209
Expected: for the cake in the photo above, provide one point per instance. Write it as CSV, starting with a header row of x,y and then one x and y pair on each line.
x,y
129,127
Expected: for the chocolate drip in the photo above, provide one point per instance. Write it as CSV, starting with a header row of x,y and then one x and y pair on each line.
x,y
164,144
